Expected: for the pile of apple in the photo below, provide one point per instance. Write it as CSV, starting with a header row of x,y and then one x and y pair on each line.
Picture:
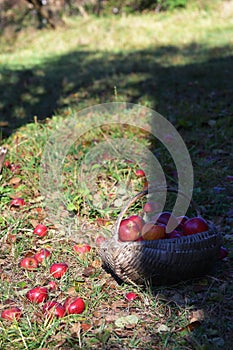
x,y
40,294
135,229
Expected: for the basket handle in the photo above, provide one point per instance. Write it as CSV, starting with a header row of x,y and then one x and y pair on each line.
x,y
142,194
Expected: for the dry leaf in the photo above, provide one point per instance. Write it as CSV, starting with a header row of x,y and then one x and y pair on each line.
x,y
110,318
76,328
34,222
197,315
15,181
190,327
122,322
11,238
88,271
72,291
96,263
85,327
119,305
102,222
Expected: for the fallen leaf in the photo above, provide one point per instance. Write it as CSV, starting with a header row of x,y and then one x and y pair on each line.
x,y
34,222
110,318
85,327
122,322
102,222
163,328
88,271
96,263
190,327
15,181
76,328
119,305
197,315
72,291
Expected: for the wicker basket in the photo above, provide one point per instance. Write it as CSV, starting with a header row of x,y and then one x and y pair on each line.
x,y
160,261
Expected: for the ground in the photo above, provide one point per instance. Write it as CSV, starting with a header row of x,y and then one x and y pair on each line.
x,y
49,76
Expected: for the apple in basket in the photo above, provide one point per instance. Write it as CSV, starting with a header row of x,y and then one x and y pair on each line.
x,y
138,219
195,225
167,219
150,231
129,230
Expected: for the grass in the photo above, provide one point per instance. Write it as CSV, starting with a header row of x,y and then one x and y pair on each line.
x,y
48,76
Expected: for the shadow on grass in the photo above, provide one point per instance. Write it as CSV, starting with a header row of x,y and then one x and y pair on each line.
x,y
160,78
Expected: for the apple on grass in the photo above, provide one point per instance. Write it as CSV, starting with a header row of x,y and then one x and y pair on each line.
x,y
57,270
82,248
12,313
17,202
74,305
131,296
140,173
53,308
40,230
42,255
29,263
128,230
52,285
37,295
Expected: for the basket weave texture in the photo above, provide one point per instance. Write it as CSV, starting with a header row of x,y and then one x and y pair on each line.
x,y
161,261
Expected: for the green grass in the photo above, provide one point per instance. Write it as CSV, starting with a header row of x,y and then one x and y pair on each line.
x,y
179,64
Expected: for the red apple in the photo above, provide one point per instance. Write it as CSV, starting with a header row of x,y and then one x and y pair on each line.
x,y
139,239
57,270
40,230
229,178
128,231
7,164
182,219
138,219
195,225
13,313
15,168
99,240
74,305
223,253
174,234
82,248
37,295
53,308
17,202
140,173
29,263
52,285
150,231
42,255
131,296
150,207
167,219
